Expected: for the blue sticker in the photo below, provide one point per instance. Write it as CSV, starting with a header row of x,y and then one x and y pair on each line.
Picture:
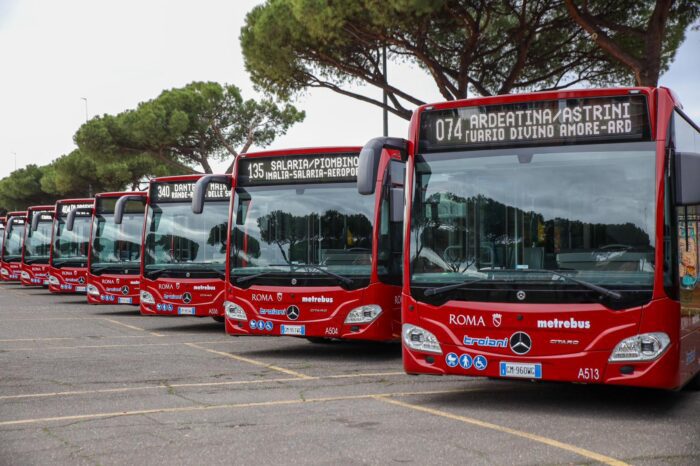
x,y
480,363
465,361
268,326
451,360
158,307
253,324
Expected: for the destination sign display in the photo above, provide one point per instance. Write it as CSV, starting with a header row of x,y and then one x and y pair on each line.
x,y
106,205
66,208
316,168
17,221
565,121
182,191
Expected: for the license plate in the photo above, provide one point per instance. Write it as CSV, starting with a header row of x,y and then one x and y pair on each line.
x,y
185,311
293,330
80,289
521,370
124,300
46,282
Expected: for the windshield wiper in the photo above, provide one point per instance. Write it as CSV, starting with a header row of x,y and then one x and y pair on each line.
x,y
591,286
343,279
247,278
155,273
219,272
34,261
454,286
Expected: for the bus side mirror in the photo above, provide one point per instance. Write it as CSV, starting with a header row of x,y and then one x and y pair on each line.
x,y
35,221
687,175
120,206
200,190
370,156
70,220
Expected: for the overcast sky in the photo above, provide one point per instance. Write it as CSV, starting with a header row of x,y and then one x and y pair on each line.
x,y
119,53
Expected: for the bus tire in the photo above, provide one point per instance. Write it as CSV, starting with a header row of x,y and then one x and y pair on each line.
x,y
219,318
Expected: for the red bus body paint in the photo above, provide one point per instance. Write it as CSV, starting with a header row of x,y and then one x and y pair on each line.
x,y
11,253
183,255
297,224
113,275
518,204
37,246
69,250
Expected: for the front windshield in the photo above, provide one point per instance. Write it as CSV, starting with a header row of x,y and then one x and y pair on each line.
x,y
286,228
177,240
117,245
14,236
499,216
71,246
37,244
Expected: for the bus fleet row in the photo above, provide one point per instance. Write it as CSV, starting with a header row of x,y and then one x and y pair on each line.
x,y
543,236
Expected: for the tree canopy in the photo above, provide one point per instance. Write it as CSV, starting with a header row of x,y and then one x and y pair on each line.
x,y
466,46
186,128
641,36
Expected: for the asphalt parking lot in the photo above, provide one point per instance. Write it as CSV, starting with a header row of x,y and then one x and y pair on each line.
x,y
83,384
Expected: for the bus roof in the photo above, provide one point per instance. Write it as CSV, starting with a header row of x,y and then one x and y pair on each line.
x,y
540,95
84,200
121,193
34,208
17,213
190,177
302,151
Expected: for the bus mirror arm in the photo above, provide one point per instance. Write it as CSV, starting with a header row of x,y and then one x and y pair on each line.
x,y
120,206
70,220
35,221
200,190
687,188
397,205
370,156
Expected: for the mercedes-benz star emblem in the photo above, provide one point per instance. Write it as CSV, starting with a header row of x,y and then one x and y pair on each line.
x,y
81,280
293,312
125,290
521,295
520,343
186,298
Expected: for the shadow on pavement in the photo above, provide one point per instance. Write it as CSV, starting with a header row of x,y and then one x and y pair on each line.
x,y
202,325
333,351
583,401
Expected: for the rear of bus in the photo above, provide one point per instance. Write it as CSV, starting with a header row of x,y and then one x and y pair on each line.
x,y
37,246
309,256
114,262
11,254
553,236
184,255
69,250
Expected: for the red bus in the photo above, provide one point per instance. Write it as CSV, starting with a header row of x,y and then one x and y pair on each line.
x,y
554,236
3,221
11,254
183,255
308,255
114,259
37,246
70,240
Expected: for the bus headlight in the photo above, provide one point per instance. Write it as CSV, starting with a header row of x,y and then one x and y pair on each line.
x,y
644,347
363,314
4,271
234,311
147,298
25,275
419,339
53,280
92,290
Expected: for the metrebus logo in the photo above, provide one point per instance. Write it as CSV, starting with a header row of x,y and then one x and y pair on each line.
x,y
571,323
